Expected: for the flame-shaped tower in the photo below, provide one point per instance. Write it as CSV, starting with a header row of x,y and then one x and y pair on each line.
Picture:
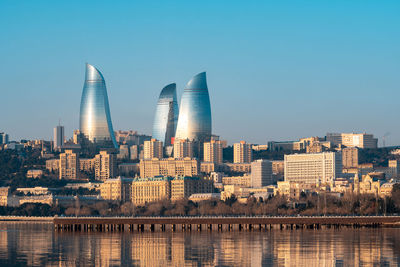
x,y
194,122
95,119
166,116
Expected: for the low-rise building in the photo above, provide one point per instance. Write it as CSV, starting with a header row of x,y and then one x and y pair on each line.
x,y
53,165
244,181
184,187
116,189
153,189
169,167
129,169
145,190
41,199
205,196
87,165
38,190
237,167
34,173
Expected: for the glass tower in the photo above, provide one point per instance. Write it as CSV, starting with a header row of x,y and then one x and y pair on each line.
x,y
95,119
194,122
166,116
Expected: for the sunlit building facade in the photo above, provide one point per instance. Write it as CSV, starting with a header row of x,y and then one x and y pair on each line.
x,y
95,119
194,122
166,117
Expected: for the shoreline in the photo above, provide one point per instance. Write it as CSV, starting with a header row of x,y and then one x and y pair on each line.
x,y
25,219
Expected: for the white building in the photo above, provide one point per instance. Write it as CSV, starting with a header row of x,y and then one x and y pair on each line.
x,y
362,140
313,168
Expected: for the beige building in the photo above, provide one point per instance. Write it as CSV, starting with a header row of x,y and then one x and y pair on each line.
x,y
237,167
183,149
4,195
184,187
118,189
353,140
146,190
34,173
53,165
242,152
313,168
213,152
244,181
350,157
42,199
105,165
69,165
278,167
293,190
87,165
208,167
169,167
153,149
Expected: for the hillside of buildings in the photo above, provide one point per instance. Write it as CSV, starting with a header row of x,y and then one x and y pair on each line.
x,y
143,177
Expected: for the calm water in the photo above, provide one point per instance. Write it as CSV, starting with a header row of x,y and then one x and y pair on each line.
x,y
36,244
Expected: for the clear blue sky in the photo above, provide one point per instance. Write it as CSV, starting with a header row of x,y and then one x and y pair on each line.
x,y
277,70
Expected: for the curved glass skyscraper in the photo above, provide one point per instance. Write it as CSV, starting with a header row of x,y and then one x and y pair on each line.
x,y
95,119
194,122
166,116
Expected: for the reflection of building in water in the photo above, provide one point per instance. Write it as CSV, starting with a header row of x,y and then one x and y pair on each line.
x,y
110,251
34,245
241,249
327,248
37,244
154,250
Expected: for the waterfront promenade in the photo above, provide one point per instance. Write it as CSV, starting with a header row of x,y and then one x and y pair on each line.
x,y
183,223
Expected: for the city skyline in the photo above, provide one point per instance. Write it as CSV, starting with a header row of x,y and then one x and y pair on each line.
x,y
275,73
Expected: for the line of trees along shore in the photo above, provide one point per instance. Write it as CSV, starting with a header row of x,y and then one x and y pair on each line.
x,y
310,205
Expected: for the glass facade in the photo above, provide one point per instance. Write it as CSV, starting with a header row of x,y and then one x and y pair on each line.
x,y
166,116
194,122
95,119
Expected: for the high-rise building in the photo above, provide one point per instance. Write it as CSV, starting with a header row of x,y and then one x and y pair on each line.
x,y
69,165
350,157
166,117
242,152
313,168
183,149
213,152
261,173
95,119
153,149
133,151
194,121
123,152
169,167
3,138
58,137
362,140
105,165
